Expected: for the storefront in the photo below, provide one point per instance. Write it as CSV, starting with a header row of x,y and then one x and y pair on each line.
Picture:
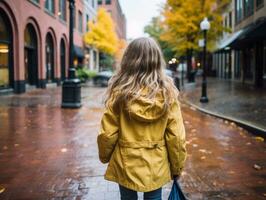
x,y
6,55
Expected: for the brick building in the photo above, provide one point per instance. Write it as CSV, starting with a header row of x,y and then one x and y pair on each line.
x,y
34,36
114,8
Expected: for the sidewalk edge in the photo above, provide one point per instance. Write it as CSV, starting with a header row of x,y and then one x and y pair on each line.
x,y
246,125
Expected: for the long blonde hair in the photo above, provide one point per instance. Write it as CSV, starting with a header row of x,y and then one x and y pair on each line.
x,y
141,67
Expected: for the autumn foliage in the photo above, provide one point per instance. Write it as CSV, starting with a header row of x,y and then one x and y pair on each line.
x,y
102,33
182,22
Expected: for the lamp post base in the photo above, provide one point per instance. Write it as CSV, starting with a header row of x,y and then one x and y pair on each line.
x,y
71,93
204,99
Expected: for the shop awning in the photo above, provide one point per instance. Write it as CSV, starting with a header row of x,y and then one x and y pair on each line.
x,y
252,33
255,31
229,40
78,51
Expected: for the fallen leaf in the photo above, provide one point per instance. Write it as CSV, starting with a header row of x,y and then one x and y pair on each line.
x,y
203,157
193,130
231,172
248,143
233,124
16,145
202,150
195,145
193,108
261,139
257,167
242,134
64,150
2,190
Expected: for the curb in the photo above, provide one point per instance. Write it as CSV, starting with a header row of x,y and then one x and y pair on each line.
x,y
244,124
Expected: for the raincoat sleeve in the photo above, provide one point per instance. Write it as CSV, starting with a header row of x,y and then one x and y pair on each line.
x,y
108,136
175,138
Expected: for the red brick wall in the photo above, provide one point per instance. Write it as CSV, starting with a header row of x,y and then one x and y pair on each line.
x,y
22,12
116,12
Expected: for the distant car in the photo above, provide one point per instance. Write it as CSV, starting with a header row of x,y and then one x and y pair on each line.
x,y
102,78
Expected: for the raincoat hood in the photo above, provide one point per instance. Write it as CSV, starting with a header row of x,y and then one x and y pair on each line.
x,y
147,110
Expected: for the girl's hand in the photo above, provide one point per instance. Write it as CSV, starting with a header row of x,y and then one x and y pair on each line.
x,y
175,177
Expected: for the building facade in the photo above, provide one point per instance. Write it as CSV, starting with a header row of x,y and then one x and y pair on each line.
x,y
224,56
91,60
244,50
34,37
114,8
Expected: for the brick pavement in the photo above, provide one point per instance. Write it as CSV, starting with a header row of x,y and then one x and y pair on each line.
x,y
50,153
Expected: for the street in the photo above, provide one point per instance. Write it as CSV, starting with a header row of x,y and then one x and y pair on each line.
x,y
50,153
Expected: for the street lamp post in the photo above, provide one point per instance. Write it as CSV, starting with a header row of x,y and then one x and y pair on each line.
x,y
71,91
204,26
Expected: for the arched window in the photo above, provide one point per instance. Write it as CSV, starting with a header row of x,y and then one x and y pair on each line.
x,y
30,55
49,51
6,68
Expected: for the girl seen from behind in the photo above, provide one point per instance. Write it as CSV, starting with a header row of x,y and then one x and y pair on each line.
x,y
142,135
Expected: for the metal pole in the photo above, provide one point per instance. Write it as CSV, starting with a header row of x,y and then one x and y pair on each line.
x,y
204,98
71,91
71,70
182,74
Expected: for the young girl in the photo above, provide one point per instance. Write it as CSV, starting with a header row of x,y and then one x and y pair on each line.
x,y
142,135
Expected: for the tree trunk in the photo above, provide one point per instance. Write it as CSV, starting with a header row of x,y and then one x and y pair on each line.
x,y
189,66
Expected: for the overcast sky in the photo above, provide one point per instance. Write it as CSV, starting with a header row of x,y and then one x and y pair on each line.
x,y
138,14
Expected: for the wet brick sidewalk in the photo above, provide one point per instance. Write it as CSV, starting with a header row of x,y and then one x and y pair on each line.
x,y
50,153
231,99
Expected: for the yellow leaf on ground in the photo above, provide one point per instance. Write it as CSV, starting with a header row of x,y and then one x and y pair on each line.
x,y
257,167
2,190
203,157
261,139
63,150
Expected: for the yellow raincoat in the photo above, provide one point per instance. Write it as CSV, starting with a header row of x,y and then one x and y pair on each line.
x,y
143,145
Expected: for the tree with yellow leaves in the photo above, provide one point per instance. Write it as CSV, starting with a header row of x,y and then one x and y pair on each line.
x,y
102,33
182,24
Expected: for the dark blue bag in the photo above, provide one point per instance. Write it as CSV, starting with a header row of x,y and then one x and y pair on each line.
x,y
176,192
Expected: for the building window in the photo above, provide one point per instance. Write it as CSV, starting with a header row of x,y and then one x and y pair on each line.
x,y
100,2
62,9
230,19
80,22
248,7
107,2
238,10
259,3
36,1
49,5
5,53
87,22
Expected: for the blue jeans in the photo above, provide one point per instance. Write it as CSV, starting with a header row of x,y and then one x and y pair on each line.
x,y
128,194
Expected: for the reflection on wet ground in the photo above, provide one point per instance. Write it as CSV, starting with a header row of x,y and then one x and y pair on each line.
x,y
50,153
